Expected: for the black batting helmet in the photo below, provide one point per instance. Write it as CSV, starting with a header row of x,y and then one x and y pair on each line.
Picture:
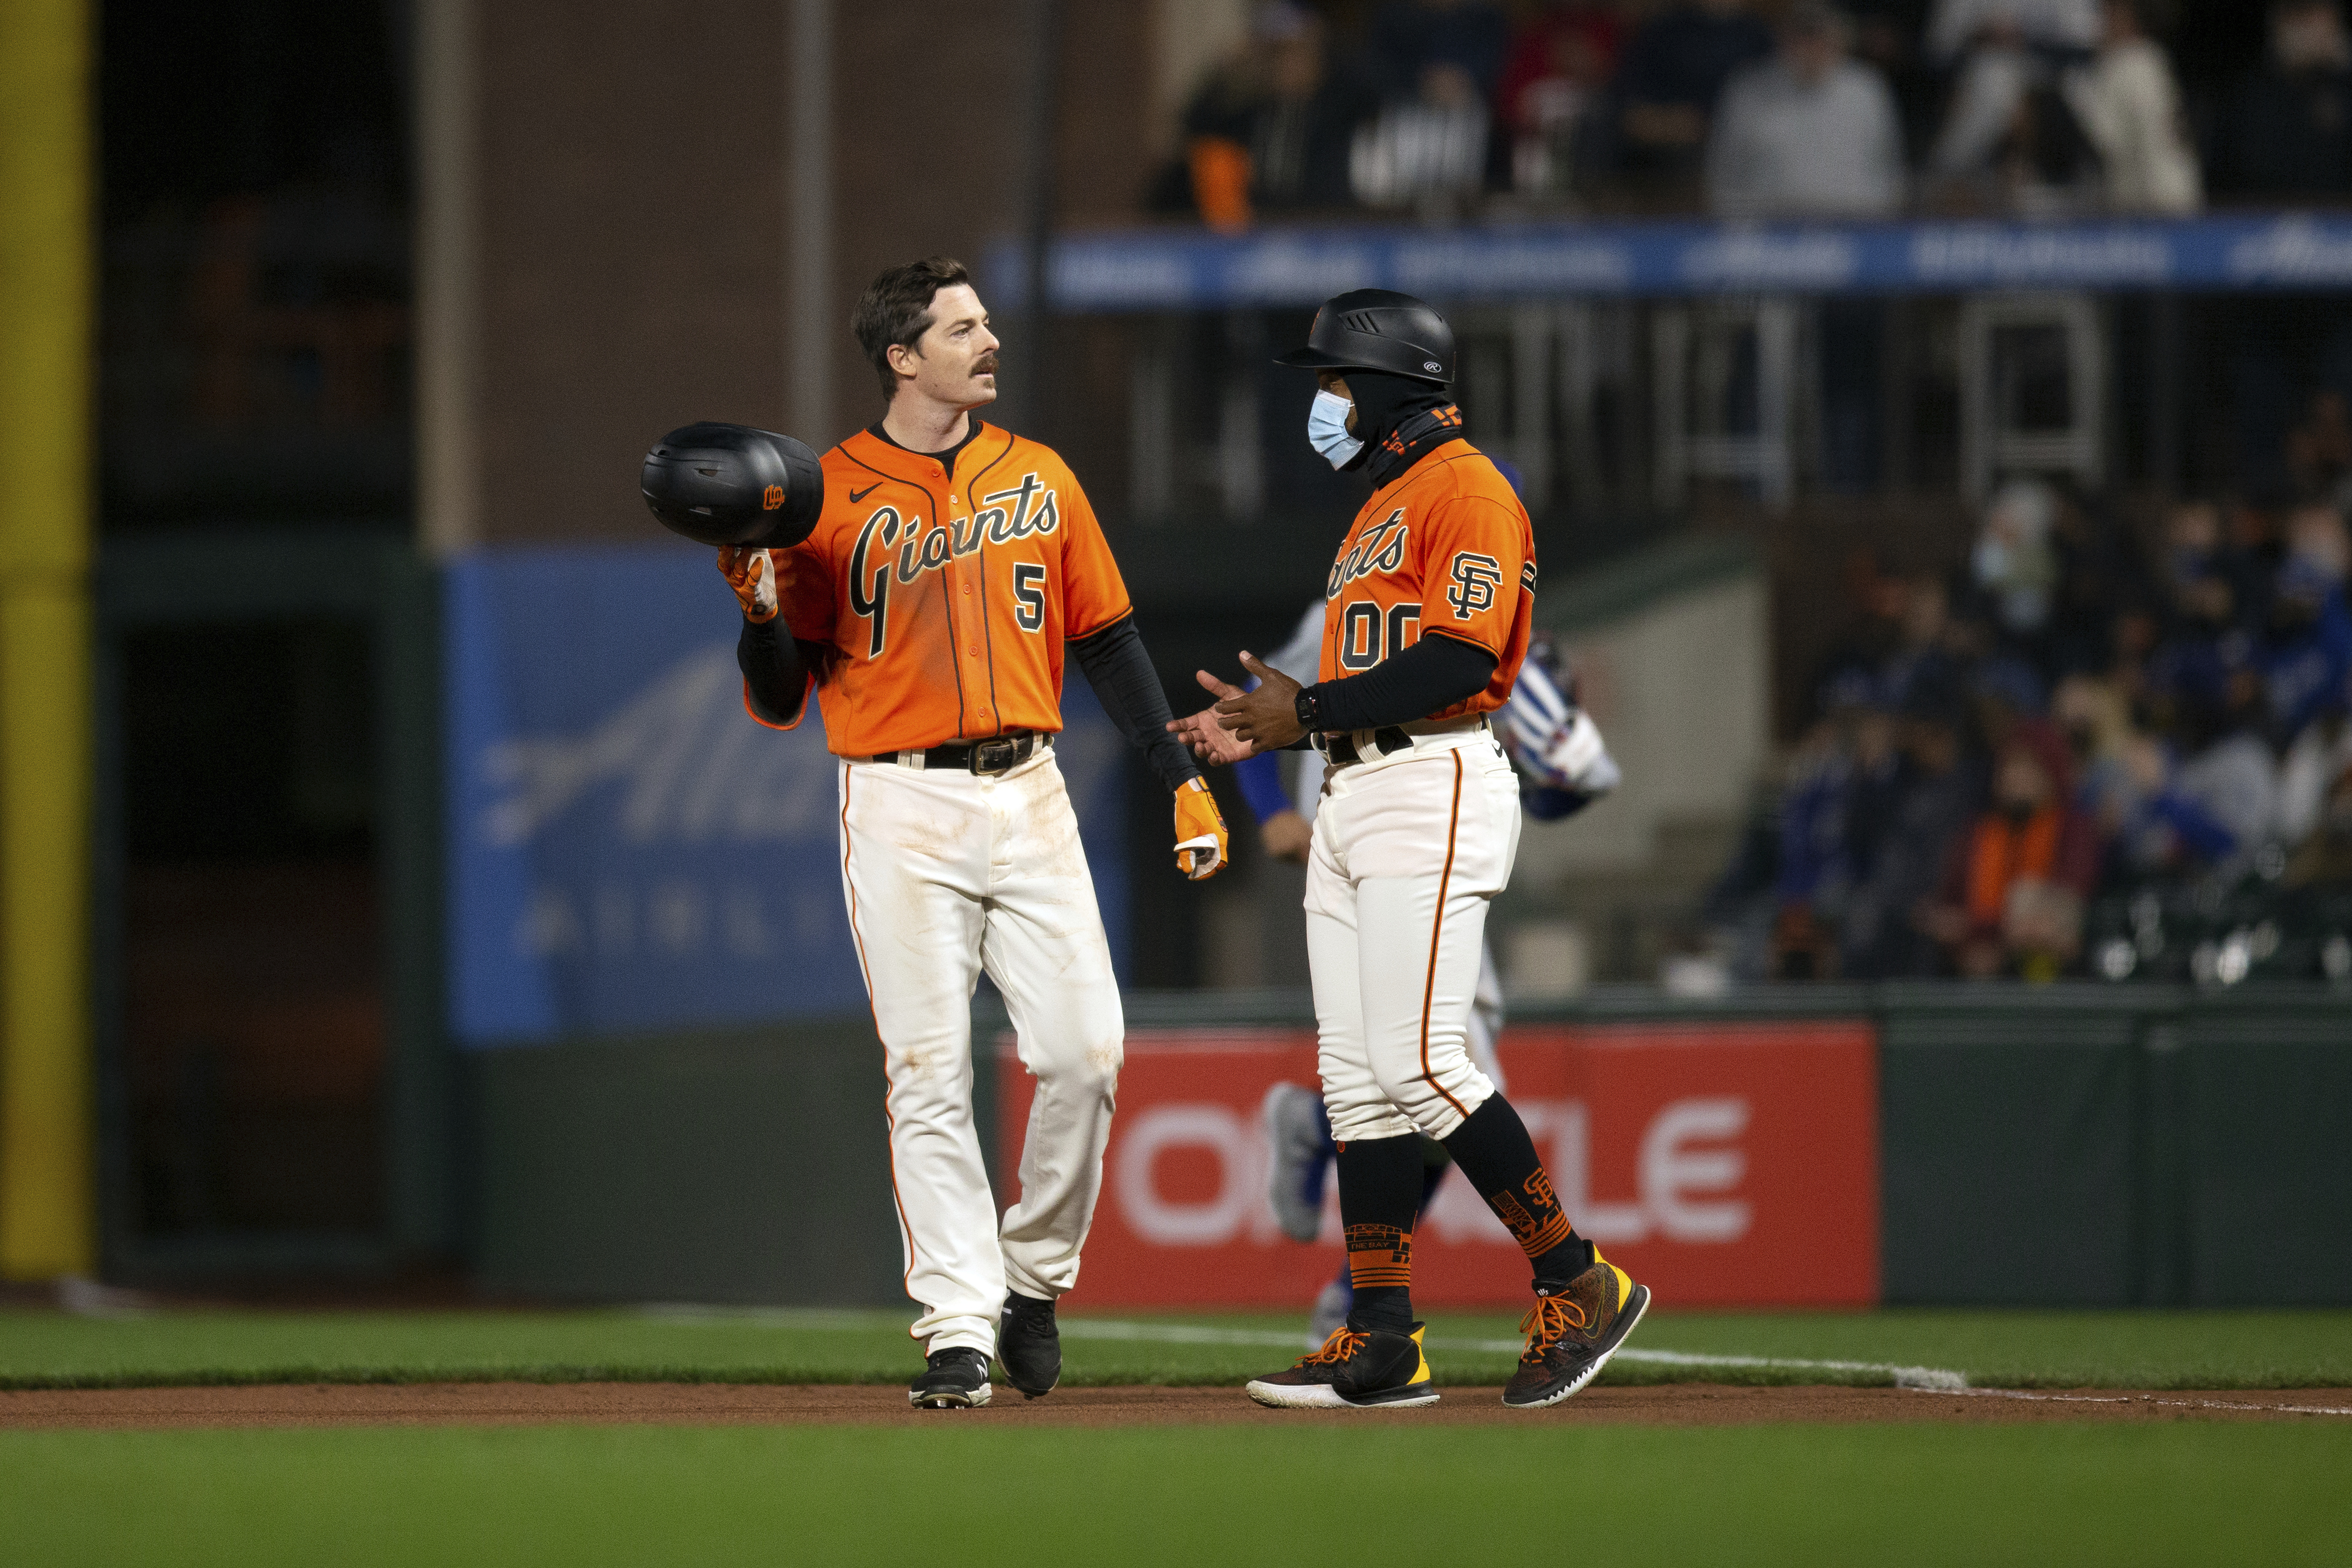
x,y
729,484
1378,329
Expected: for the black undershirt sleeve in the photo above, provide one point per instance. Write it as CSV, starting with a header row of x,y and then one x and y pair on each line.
x,y
775,669
1433,674
1128,688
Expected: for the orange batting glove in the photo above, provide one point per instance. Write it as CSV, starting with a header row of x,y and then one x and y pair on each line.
x,y
753,574
1200,831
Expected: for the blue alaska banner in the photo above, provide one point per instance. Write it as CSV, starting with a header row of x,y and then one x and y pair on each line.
x,y
1175,269
628,849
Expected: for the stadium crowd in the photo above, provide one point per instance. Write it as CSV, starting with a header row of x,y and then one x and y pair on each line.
x,y
2093,749
1754,107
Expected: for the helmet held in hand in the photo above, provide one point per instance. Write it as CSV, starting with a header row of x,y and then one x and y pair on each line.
x,y
722,484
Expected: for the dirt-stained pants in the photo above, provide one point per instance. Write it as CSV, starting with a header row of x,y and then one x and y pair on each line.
x,y
948,873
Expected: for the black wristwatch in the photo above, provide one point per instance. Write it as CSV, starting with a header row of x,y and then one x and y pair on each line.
x,y
1308,707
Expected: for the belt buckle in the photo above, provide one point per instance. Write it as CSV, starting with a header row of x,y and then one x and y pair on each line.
x,y
986,754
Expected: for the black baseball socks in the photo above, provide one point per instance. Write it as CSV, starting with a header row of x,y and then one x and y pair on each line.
x,y
1493,1151
1380,1193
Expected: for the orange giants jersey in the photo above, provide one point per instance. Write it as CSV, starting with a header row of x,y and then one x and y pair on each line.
x,y
1444,550
942,605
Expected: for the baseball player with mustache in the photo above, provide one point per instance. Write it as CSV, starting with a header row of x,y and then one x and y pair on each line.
x,y
953,566
1427,614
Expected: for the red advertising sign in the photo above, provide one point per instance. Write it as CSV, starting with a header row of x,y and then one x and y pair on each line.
x,y
1722,1164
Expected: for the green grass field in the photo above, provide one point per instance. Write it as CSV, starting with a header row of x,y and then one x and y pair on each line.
x,y
964,1491
582,1498
1999,1349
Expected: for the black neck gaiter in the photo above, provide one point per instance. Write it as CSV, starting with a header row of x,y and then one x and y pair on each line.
x,y
1399,420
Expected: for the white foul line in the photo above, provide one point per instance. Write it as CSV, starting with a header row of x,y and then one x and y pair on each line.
x,y
1920,1378
1927,1377
2140,1399
1200,1334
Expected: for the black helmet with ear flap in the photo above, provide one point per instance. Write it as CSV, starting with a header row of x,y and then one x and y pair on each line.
x,y
729,484
1381,330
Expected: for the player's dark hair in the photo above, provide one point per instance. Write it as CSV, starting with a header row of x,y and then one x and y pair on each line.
x,y
897,309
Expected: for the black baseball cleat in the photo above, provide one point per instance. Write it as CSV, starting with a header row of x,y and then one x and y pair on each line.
x,y
955,1379
1355,1370
1029,1345
1571,1335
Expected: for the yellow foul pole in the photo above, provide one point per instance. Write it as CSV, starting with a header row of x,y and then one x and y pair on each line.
x,y
47,1224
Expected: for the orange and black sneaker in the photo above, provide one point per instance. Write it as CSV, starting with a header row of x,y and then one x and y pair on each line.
x,y
1355,1370
1571,1335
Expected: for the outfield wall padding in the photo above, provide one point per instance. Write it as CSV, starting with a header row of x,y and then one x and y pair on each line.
x,y
2010,1140
2267,1096
742,1166
2064,1146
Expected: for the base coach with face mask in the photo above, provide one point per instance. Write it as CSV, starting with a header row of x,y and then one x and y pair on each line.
x,y
1426,617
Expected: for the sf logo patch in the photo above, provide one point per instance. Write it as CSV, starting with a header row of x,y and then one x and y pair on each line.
x,y
771,497
1472,590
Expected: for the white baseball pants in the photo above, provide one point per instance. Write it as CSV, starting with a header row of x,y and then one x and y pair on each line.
x,y
1408,850
948,873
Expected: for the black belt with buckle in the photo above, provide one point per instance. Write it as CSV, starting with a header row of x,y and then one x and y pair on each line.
x,y
998,753
1338,747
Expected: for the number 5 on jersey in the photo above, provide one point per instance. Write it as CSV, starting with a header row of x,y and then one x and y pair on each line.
x,y
1028,595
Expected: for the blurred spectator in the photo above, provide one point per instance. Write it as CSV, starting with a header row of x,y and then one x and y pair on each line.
x,y
2311,770
2129,106
1873,640
2206,655
1676,68
1438,61
1554,87
1921,658
2095,720
2013,895
2014,565
1270,129
1414,42
2293,130
1891,35
2305,651
2325,859
1840,796
2099,577
1809,132
2006,117
1887,932
2061,29
2227,776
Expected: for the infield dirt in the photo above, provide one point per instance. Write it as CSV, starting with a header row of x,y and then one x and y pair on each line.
x,y
624,1404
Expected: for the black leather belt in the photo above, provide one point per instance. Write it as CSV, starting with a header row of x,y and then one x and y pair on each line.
x,y
998,753
1338,747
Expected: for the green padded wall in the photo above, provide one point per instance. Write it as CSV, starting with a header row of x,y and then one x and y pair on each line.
x,y
2058,1146
2268,1151
2010,1147
748,1166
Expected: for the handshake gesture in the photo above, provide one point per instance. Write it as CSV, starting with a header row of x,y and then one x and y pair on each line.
x,y
1242,723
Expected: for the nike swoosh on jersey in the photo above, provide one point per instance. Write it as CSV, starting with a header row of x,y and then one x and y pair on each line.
x,y
857,496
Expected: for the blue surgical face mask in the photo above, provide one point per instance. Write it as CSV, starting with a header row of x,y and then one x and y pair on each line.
x,y
1327,429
